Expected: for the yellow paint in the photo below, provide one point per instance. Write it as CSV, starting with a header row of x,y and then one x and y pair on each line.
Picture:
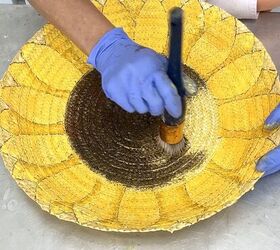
x,y
38,149
243,44
247,114
212,16
237,77
17,125
213,47
225,120
138,209
52,190
116,12
66,48
193,25
156,22
35,106
98,206
41,58
23,76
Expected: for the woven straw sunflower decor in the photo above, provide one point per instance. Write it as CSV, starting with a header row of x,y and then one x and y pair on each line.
x,y
84,159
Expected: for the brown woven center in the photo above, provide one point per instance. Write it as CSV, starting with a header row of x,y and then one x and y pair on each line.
x,y
121,146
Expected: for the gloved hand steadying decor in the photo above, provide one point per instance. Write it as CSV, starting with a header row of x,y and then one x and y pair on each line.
x,y
133,76
270,163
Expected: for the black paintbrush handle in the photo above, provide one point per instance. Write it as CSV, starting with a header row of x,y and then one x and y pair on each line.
x,y
174,70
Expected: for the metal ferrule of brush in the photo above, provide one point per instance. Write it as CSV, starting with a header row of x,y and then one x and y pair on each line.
x,y
170,120
171,131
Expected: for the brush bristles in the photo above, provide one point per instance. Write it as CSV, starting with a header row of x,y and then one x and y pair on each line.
x,y
172,149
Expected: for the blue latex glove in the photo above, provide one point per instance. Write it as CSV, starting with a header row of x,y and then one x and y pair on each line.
x,y
133,76
270,163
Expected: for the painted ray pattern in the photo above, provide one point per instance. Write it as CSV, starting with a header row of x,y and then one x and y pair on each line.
x,y
225,120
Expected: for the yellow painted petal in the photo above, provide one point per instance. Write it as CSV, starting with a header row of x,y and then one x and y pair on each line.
x,y
102,204
176,205
39,149
18,58
276,87
4,136
193,25
245,176
115,11
17,125
259,149
237,77
245,172
249,134
9,161
247,114
264,83
268,63
35,106
50,67
153,16
62,211
138,209
241,28
243,44
211,190
3,106
169,4
62,190
35,173
213,47
22,74
8,80
38,38
133,7
237,150
29,187
212,15
66,48
275,137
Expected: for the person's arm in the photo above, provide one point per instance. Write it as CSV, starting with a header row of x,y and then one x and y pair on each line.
x,y
133,76
265,5
77,19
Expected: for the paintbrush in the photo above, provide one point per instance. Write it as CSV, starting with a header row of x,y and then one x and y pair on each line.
x,y
171,136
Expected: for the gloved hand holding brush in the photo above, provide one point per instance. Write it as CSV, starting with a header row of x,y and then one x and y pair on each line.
x,y
134,76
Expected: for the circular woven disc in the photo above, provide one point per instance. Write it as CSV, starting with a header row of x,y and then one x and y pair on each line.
x,y
83,159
